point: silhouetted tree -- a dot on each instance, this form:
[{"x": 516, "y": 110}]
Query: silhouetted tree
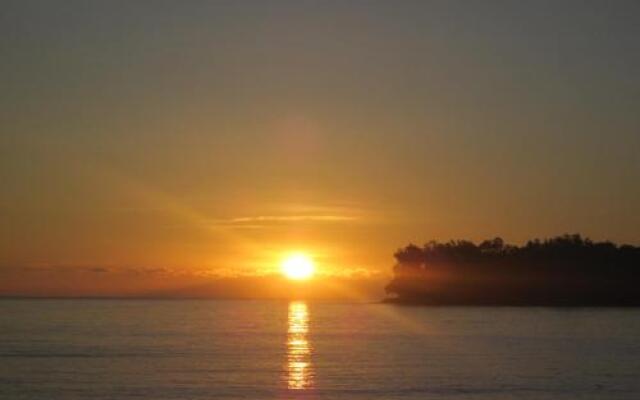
[{"x": 564, "y": 270}]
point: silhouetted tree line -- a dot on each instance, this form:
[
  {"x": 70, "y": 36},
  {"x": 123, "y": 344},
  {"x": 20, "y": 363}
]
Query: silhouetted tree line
[{"x": 564, "y": 270}]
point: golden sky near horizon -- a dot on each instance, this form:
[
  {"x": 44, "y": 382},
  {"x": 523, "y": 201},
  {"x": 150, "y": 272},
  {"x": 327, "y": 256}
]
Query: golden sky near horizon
[{"x": 184, "y": 141}]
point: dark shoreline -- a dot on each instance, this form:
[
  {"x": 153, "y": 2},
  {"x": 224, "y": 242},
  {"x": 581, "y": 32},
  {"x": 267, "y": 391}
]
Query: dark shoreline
[{"x": 425, "y": 303}]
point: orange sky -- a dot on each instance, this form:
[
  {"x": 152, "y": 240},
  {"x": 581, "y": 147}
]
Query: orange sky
[{"x": 161, "y": 148}]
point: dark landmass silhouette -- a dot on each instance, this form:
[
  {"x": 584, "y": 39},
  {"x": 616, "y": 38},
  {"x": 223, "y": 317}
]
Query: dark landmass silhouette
[{"x": 566, "y": 270}]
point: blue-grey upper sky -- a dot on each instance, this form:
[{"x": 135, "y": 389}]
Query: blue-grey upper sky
[{"x": 212, "y": 136}]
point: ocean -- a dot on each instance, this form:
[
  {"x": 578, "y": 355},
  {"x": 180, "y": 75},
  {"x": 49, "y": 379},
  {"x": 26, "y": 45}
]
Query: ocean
[{"x": 219, "y": 349}]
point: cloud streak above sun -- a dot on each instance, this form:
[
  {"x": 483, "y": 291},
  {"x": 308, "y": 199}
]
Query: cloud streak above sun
[{"x": 263, "y": 221}]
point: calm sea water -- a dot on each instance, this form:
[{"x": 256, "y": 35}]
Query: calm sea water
[{"x": 114, "y": 349}]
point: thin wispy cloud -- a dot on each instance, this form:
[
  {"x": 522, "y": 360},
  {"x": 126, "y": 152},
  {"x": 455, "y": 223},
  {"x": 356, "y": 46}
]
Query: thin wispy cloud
[
  {"x": 294, "y": 218},
  {"x": 261, "y": 221}
]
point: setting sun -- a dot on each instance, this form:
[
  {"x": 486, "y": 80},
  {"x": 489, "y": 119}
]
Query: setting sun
[{"x": 297, "y": 266}]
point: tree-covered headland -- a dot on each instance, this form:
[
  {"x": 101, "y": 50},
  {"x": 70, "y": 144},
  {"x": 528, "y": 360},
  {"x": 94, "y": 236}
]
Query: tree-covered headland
[{"x": 567, "y": 270}]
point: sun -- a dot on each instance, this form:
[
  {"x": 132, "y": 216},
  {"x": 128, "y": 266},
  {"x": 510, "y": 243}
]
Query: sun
[{"x": 298, "y": 266}]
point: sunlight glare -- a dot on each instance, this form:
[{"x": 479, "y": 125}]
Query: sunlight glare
[{"x": 298, "y": 266}]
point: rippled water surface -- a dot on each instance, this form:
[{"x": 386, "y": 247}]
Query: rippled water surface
[{"x": 116, "y": 349}]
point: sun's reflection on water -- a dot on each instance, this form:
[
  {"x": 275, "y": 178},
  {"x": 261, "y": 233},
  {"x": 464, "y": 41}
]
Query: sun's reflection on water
[{"x": 299, "y": 369}]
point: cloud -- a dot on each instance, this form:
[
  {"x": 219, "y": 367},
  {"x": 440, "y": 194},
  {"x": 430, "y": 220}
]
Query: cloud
[
  {"x": 82, "y": 269},
  {"x": 262, "y": 221},
  {"x": 99, "y": 269},
  {"x": 294, "y": 218}
]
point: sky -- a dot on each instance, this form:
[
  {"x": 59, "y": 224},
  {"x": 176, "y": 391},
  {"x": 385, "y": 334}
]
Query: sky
[{"x": 159, "y": 146}]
